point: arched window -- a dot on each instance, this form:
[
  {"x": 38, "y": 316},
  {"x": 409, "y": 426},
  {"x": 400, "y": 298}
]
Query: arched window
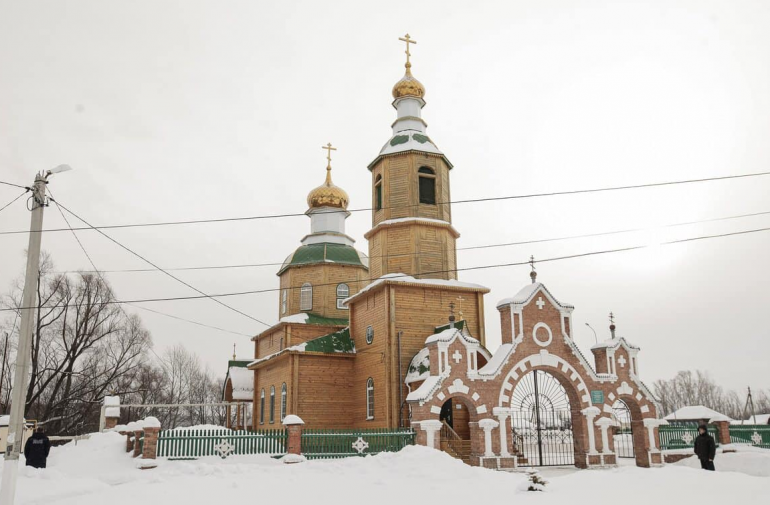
[
  {"x": 370, "y": 399},
  {"x": 369, "y": 334},
  {"x": 343, "y": 291},
  {"x": 427, "y": 186},
  {"x": 306, "y": 297},
  {"x": 272, "y": 404},
  {"x": 284, "y": 299},
  {"x": 283, "y": 401},
  {"x": 378, "y": 193},
  {"x": 262, "y": 407}
]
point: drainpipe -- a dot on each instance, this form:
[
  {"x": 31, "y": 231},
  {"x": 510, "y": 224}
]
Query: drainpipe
[{"x": 400, "y": 384}]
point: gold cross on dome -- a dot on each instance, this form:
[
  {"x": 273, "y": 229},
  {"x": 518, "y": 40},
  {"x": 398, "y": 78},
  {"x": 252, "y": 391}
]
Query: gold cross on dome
[
  {"x": 329, "y": 150},
  {"x": 612, "y": 318},
  {"x": 406, "y": 38},
  {"x": 460, "y": 299},
  {"x": 532, "y": 262}
]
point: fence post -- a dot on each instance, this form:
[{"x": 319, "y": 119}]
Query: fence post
[
  {"x": 723, "y": 430},
  {"x": 294, "y": 425},
  {"x": 151, "y": 430},
  {"x": 111, "y": 411}
]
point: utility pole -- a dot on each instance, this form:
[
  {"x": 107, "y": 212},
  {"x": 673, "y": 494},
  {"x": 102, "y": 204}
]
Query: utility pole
[
  {"x": 21, "y": 374},
  {"x": 2, "y": 371}
]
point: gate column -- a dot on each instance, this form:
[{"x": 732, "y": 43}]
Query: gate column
[
  {"x": 488, "y": 425},
  {"x": 591, "y": 413},
  {"x": 502, "y": 416}
]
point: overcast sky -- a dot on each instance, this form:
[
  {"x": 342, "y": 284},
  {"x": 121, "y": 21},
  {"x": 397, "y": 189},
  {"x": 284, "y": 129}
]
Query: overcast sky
[{"x": 172, "y": 110}]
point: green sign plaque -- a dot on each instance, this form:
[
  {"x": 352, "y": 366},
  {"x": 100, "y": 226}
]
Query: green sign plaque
[{"x": 597, "y": 397}]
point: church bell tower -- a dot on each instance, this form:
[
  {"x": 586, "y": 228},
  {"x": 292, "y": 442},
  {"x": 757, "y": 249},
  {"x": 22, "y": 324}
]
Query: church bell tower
[{"x": 412, "y": 230}]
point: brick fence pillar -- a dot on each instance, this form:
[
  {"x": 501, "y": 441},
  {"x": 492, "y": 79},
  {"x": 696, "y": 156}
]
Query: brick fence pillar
[
  {"x": 111, "y": 412},
  {"x": 294, "y": 425},
  {"x": 151, "y": 431},
  {"x": 137, "y": 447},
  {"x": 723, "y": 431}
]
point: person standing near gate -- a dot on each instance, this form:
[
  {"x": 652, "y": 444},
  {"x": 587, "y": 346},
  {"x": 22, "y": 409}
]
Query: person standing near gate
[
  {"x": 705, "y": 448},
  {"x": 37, "y": 448}
]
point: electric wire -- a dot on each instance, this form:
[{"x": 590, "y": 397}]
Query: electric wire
[
  {"x": 14, "y": 185},
  {"x": 100, "y": 274},
  {"x": 204, "y": 295},
  {"x": 12, "y": 201},
  {"x": 367, "y": 209},
  {"x": 465, "y": 269},
  {"x": 468, "y": 248}
]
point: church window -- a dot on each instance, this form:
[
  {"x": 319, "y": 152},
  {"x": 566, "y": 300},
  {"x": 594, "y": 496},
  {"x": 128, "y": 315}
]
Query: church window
[
  {"x": 343, "y": 291},
  {"x": 306, "y": 297},
  {"x": 369, "y": 334},
  {"x": 378, "y": 193},
  {"x": 427, "y": 180},
  {"x": 262, "y": 407},
  {"x": 370, "y": 399},
  {"x": 283, "y": 401},
  {"x": 272, "y": 404},
  {"x": 284, "y": 298}
]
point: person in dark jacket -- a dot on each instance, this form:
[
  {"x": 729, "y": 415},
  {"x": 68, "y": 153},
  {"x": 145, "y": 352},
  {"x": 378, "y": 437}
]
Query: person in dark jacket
[
  {"x": 37, "y": 448},
  {"x": 705, "y": 448}
]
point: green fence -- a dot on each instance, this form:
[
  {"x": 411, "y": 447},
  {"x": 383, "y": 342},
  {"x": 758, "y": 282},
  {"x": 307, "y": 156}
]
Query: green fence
[
  {"x": 329, "y": 444},
  {"x": 191, "y": 444},
  {"x": 757, "y": 435},
  {"x": 675, "y": 436}
]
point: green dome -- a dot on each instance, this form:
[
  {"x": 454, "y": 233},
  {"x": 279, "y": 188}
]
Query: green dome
[{"x": 325, "y": 253}]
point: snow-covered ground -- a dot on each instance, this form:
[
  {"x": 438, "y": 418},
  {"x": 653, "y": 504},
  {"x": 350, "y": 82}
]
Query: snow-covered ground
[{"x": 97, "y": 471}]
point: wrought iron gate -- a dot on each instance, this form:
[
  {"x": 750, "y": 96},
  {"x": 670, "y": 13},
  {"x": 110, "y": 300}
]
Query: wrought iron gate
[
  {"x": 542, "y": 421},
  {"x": 622, "y": 433}
]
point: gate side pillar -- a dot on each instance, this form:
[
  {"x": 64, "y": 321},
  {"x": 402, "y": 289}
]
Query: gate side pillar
[
  {"x": 502, "y": 415},
  {"x": 488, "y": 425},
  {"x": 432, "y": 436},
  {"x": 590, "y": 414},
  {"x": 654, "y": 456}
]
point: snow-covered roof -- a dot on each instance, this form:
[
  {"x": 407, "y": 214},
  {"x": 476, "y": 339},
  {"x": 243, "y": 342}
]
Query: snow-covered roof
[
  {"x": 302, "y": 317},
  {"x": 403, "y": 220},
  {"x": 526, "y": 294},
  {"x": 693, "y": 413},
  {"x": 496, "y": 361},
  {"x": 612, "y": 343},
  {"x": 450, "y": 333},
  {"x": 419, "y": 367},
  {"x": 757, "y": 419},
  {"x": 426, "y": 389},
  {"x": 396, "y": 278},
  {"x": 242, "y": 380}
]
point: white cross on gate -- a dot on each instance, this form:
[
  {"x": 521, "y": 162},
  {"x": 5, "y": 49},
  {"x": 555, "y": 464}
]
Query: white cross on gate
[
  {"x": 756, "y": 438},
  {"x": 622, "y": 361},
  {"x": 457, "y": 356},
  {"x": 687, "y": 438},
  {"x": 360, "y": 445},
  {"x": 224, "y": 448},
  {"x": 540, "y": 303}
]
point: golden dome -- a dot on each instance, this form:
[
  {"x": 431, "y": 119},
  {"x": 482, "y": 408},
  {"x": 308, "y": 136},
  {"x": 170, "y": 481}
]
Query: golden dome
[
  {"x": 328, "y": 195},
  {"x": 408, "y": 85}
]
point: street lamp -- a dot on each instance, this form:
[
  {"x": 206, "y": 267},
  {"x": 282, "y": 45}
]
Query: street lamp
[
  {"x": 595, "y": 337},
  {"x": 21, "y": 376}
]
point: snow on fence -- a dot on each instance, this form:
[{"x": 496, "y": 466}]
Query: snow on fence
[
  {"x": 757, "y": 435},
  {"x": 673, "y": 436},
  {"x": 196, "y": 443},
  {"x": 331, "y": 444}
]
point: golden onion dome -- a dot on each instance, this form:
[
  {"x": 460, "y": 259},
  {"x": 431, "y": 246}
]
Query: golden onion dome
[
  {"x": 408, "y": 85},
  {"x": 328, "y": 195}
]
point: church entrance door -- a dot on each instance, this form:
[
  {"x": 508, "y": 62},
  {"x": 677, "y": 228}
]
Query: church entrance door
[{"x": 542, "y": 421}]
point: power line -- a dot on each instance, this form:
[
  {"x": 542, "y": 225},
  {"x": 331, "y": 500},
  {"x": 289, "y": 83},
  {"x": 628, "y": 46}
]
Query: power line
[
  {"x": 469, "y": 248},
  {"x": 12, "y": 201},
  {"x": 455, "y": 202},
  {"x": 204, "y": 295},
  {"x": 14, "y": 185},
  {"x": 99, "y": 273},
  {"x": 466, "y": 269}
]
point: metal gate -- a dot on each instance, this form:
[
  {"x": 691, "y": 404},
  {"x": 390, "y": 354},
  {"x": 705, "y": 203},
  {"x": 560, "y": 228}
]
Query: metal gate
[
  {"x": 542, "y": 421},
  {"x": 622, "y": 433}
]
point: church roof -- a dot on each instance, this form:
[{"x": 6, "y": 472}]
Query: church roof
[
  {"x": 408, "y": 280},
  {"x": 310, "y": 318},
  {"x": 409, "y": 140},
  {"x": 338, "y": 342},
  {"x": 525, "y": 295},
  {"x": 325, "y": 253}
]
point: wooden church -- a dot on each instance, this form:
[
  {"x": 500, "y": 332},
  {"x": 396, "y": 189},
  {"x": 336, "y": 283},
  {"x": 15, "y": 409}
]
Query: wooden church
[{"x": 369, "y": 342}]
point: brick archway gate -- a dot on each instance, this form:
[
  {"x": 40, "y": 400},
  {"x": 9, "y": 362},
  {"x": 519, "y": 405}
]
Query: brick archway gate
[
  {"x": 542, "y": 421},
  {"x": 537, "y": 337}
]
